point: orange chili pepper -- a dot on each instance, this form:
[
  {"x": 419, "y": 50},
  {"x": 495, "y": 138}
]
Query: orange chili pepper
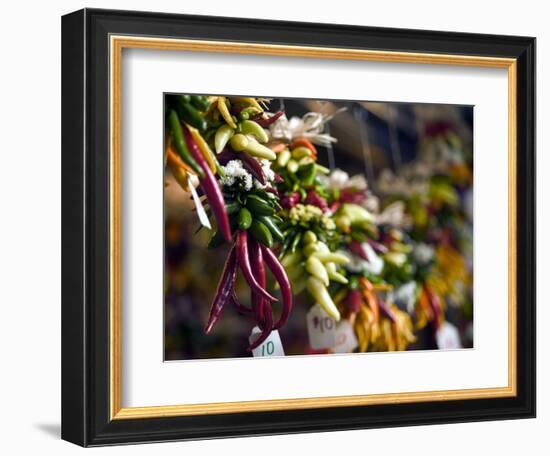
[{"x": 303, "y": 142}]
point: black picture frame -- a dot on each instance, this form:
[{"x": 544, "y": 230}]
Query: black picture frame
[{"x": 85, "y": 222}]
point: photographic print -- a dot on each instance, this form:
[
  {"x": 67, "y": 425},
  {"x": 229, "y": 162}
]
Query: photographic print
[{"x": 307, "y": 227}]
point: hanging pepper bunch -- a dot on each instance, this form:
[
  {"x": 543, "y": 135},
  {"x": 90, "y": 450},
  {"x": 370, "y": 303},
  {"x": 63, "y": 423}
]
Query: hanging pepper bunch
[
  {"x": 434, "y": 193},
  {"x": 236, "y": 188},
  {"x": 364, "y": 299},
  {"x": 309, "y": 250}
]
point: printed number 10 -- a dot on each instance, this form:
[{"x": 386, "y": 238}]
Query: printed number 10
[{"x": 268, "y": 348}]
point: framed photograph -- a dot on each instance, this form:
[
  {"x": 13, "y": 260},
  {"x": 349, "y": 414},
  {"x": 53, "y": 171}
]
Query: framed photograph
[{"x": 279, "y": 227}]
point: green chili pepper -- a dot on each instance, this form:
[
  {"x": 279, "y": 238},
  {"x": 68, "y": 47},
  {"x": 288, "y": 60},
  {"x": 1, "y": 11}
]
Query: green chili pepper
[
  {"x": 179, "y": 143},
  {"x": 232, "y": 208},
  {"x": 190, "y": 115},
  {"x": 249, "y": 127},
  {"x": 258, "y": 206},
  {"x": 247, "y": 113},
  {"x": 310, "y": 237},
  {"x": 200, "y": 102},
  {"x": 245, "y": 218},
  {"x": 307, "y": 174},
  {"x": 295, "y": 242},
  {"x": 270, "y": 223},
  {"x": 223, "y": 135},
  {"x": 261, "y": 233},
  {"x": 283, "y": 158}
]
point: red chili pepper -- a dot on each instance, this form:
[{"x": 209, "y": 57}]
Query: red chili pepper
[
  {"x": 384, "y": 310},
  {"x": 289, "y": 201},
  {"x": 267, "y": 122},
  {"x": 266, "y": 330},
  {"x": 211, "y": 188},
  {"x": 376, "y": 246},
  {"x": 244, "y": 264},
  {"x": 315, "y": 200},
  {"x": 286, "y": 289},
  {"x": 253, "y": 167},
  {"x": 435, "y": 305},
  {"x": 348, "y": 196},
  {"x": 224, "y": 290},
  {"x": 257, "y": 265},
  {"x": 356, "y": 248},
  {"x": 353, "y": 301}
]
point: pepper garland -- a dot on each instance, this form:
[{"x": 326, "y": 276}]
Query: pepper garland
[{"x": 276, "y": 206}]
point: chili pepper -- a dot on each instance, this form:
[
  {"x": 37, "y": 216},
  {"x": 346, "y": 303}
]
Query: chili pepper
[
  {"x": 292, "y": 166},
  {"x": 249, "y": 127},
  {"x": 224, "y": 111},
  {"x": 244, "y": 264},
  {"x": 248, "y": 100},
  {"x": 282, "y": 279},
  {"x": 283, "y": 158},
  {"x": 300, "y": 152},
  {"x": 307, "y": 174},
  {"x": 356, "y": 248},
  {"x": 353, "y": 301},
  {"x": 272, "y": 226},
  {"x": 180, "y": 145},
  {"x": 291, "y": 259},
  {"x": 303, "y": 142},
  {"x": 333, "y": 257},
  {"x": 243, "y": 143},
  {"x": 377, "y": 246},
  {"x": 295, "y": 242},
  {"x": 232, "y": 208},
  {"x": 258, "y": 206},
  {"x": 334, "y": 275},
  {"x": 211, "y": 189},
  {"x": 322, "y": 296},
  {"x": 205, "y": 149},
  {"x": 253, "y": 167},
  {"x": 249, "y": 112},
  {"x": 190, "y": 115},
  {"x": 266, "y": 330},
  {"x": 257, "y": 265},
  {"x": 267, "y": 122},
  {"x": 200, "y": 102},
  {"x": 223, "y": 135},
  {"x": 261, "y": 233},
  {"x": 315, "y": 200},
  {"x": 385, "y": 310},
  {"x": 291, "y": 200},
  {"x": 317, "y": 269},
  {"x": 223, "y": 292},
  {"x": 245, "y": 219}
]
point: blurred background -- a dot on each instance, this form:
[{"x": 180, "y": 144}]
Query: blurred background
[{"x": 398, "y": 147}]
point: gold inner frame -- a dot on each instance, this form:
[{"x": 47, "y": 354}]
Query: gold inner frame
[{"x": 117, "y": 44}]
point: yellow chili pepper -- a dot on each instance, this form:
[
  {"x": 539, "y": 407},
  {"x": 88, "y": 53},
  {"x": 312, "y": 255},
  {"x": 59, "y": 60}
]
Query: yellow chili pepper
[
  {"x": 204, "y": 148},
  {"x": 224, "y": 111}
]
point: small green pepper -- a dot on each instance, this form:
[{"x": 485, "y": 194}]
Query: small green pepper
[
  {"x": 179, "y": 143},
  {"x": 245, "y": 218},
  {"x": 258, "y": 206},
  {"x": 190, "y": 115},
  {"x": 261, "y": 233},
  {"x": 272, "y": 226}
]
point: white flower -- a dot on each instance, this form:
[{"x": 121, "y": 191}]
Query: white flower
[{"x": 234, "y": 171}]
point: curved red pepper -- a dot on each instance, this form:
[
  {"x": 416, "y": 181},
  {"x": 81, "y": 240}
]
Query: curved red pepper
[
  {"x": 210, "y": 187},
  {"x": 286, "y": 289},
  {"x": 257, "y": 265},
  {"x": 244, "y": 264},
  {"x": 267, "y": 122},
  {"x": 224, "y": 290}
]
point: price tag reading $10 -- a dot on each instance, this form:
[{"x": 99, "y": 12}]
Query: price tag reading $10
[
  {"x": 272, "y": 346},
  {"x": 346, "y": 341},
  {"x": 321, "y": 328}
]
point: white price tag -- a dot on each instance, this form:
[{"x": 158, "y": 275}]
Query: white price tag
[
  {"x": 272, "y": 346},
  {"x": 321, "y": 328},
  {"x": 447, "y": 337},
  {"x": 346, "y": 341}
]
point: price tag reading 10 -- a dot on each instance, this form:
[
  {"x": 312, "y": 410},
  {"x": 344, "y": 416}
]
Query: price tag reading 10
[
  {"x": 321, "y": 328},
  {"x": 272, "y": 346}
]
